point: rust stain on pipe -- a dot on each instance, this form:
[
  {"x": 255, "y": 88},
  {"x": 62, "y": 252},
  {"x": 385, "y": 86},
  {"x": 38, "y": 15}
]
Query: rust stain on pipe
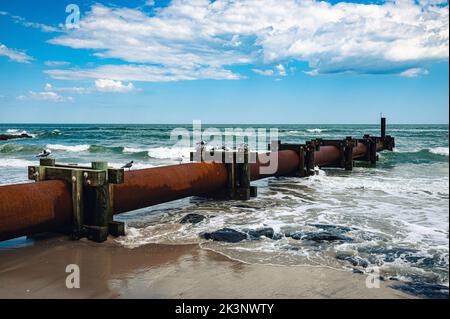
[
  {"x": 288, "y": 162},
  {"x": 34, "y": 207},
  {"x": 157, "y": 185}
]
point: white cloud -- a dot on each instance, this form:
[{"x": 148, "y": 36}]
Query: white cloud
[
  {"x": 14, "y": 55},
  {"x": 56, "y": 63},
  {"x": 199, "y": 39},
  {"x": 281, "y": 70},
  {"x": 145, "y": 73},
  {"x": 44, "y": 96},
  {"x": 268, "y": 72},
  {"x": 78, "y": 90},
  {"x": 150, "y": 3},
  {"x": 414, "y": 72},
  {"x": 278, "y": 70},
  {"x": 106, "y": 85}
]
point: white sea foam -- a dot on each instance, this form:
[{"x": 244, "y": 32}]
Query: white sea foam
[
  {"x": 18, "y": 132},
  {"x": 440, "y": 150},
  {"x": 69, "y": 148},
  {"x": 170, "y": 152},
  {"x": 133, "y": 150},
  {"x": 15, "y": 162},
  {"x": 316, "y": 130}
]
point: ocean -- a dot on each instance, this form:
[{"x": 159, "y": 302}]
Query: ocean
[{"x": 396, "y": 214}]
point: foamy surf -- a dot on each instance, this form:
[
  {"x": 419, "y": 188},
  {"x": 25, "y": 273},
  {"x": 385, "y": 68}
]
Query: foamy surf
[
  {"x": 315, "y": 130},
  {"x": 68, "y": 148},
  {"x": 19, "y": 132},
  {"x": 440, "y": 151}
]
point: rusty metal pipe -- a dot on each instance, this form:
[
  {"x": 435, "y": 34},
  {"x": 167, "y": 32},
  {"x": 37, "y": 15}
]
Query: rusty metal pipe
[
  {"x": 37, "y": 207},
  {"x": 34, "y": 207},
  {"x": 288, "y": 162},
  {"x": 146, "y": 187}
]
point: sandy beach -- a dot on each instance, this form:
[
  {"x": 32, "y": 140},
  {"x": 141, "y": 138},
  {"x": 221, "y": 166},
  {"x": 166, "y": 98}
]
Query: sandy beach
[{"x": 165, "y": 271}]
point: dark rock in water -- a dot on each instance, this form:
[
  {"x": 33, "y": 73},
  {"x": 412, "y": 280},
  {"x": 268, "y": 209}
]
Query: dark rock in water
[
  {"x": 225, "y": 234},
  {"x": 427, "y": 290},
  {"x": 257, "y": 233},
  {"x": 354, "y": 260},
  {"x": 277, "y": 236},
  {"x": 394, "y": 278},
  {"x": 391, "y": 254},
  {"x": 357, "y": 271},
  {"x": 5, "y": 137},
  {"x": 192, "y": 219},
  {"x": 325, "y": 236},
  {"x": 337, "y": 228},
  {"x": 296, "y": 235}
]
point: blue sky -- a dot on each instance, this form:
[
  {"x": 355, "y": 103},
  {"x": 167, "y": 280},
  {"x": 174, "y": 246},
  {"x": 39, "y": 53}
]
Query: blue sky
[{"x": 224, "y": 62}]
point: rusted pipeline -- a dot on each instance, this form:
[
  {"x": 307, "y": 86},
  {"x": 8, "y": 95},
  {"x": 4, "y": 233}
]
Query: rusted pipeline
[
  {"x": 288, "y": 162},
  {"x": 34, "y": 207},
  {"x": 330, "y": 154},
  {"x": 146, "y": 187},
  {"x": 44, "y": 206}
]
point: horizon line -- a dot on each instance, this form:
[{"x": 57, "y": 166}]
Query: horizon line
[{"x": 205, "y": 123}]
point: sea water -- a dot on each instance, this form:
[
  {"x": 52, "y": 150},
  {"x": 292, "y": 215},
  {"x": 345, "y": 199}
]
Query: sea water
[{"x": 397, "y": 212}]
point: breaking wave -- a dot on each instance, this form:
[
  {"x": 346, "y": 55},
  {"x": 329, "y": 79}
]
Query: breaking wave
[{"x": 69, "y": 148}]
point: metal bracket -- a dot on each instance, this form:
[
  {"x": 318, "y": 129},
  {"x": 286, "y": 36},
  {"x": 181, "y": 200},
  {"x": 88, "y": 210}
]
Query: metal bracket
[
  {"x": 305, "y": 154},
  {"x": 92, "y": 196},
  {"x": 371, "y": 144},
  {"x": 345, "y": 147},
  {"x": 238, "y": 168}
]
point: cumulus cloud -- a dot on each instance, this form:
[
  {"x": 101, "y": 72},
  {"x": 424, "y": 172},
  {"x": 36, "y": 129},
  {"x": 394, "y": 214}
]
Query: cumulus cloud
[
  {"x": 281, "y": 70},
  {"x": 201, "y": 39},
  {"x": 44, "y": 96},
  {"x": 14, "y": 55},
  {"x": 107, "y": 85}
]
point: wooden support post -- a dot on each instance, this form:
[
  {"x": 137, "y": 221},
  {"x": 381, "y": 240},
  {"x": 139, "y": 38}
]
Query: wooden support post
[
  {"x": 238, "y": 167},
  {"x": 309, "y": 158},
  {"x": 348, "y": 153},
  {"x": 301, "y": 156},
  {"x": 47, "y": 162},
  {"x": 98, "y": 207},
  {"x": 91, "y": 196},
  {"x": 77, "y": 204},
  {"x": 371, "y": 144},
  {"x": 383, "y": 127}
]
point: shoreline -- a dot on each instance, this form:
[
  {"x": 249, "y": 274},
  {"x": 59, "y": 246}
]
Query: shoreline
[{"x": 109, "y": 270}]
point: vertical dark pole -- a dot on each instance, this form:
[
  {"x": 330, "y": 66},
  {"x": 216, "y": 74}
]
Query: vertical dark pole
[
  {"x": 102, "y": 210},
  {"x": 383, "y": 127}
]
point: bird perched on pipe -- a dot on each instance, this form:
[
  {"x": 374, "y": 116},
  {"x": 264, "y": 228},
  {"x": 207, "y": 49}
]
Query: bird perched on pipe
[
  {"x": 128, "y": 165},
  {"x": 44, "y": 154}
]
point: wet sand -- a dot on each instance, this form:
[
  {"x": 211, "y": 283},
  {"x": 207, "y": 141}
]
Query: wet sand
[{"x": 109, "y": 270}]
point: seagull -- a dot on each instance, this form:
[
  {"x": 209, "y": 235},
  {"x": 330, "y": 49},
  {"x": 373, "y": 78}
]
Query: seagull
[
  {"x": 128, "y": 165},
  {"x": 201, "y": 144},
  {"x": 44, "y": 153},
  {"x": 181, "y": 159}
]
